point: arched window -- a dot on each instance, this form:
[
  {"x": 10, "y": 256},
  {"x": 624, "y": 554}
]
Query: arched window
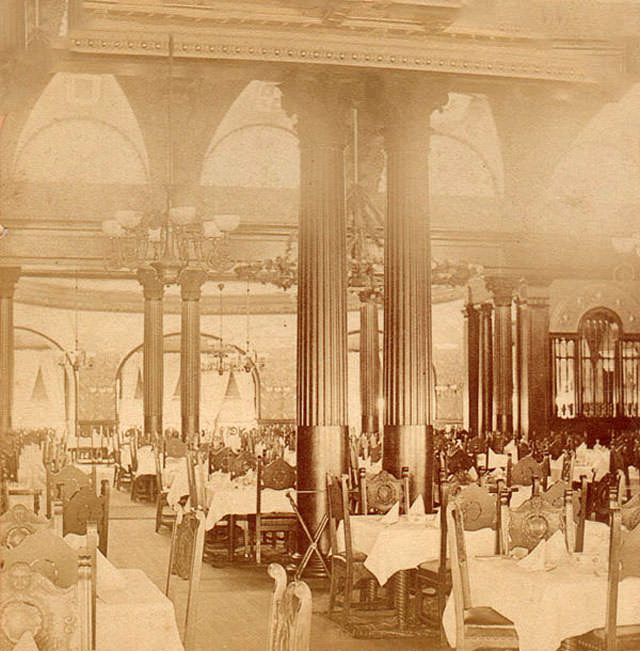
[{"x": 596, "y": 371}]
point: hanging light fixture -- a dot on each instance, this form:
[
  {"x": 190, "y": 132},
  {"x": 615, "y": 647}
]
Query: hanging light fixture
[
  {"x": 177, "y": 238},
  {"x": 224, "y": 358}
]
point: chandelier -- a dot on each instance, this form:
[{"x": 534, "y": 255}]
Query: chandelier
[
  {"x": 175, "y": 239},
  {"x": 168, "y": 242},
  {"x": 224, "y": 358}
]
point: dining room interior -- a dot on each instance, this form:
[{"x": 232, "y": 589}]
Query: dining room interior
[{"x": 319, "y": 325}]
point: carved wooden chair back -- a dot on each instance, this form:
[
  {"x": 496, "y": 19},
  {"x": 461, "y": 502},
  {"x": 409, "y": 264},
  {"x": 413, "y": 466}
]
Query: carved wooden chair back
[
  {"x": 338, "y": 511},
  {"x": 55, "y": 617},
  {"x": 196, "y": 476},
  {"x": 459, "y": 569},
  {"x": 62, "y": 485},
  {"x": 221, "y": 459},
  {"x": 534, "y": 520},
  {"x": 185, "y": 561},
  {"x": 174, "y": 447},
  {"x": 290, "y": 620},
  {"x": 18, "y": 523},
  {"x": 598, "y": 497},
  {"x": 48, "y": 553},
  {"x": 523, "y": 472},
  {"x": 379, "y": 492},
  {"x": 277, "y": 475},
  {"x": 241, "y": 463},
  {"x": 86, "y": 507}
]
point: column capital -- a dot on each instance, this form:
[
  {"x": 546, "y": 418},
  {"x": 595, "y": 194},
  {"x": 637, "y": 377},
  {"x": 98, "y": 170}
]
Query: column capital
[
  {"x": 502, "y": 288},
  {"x": 406, "y": 102},
  {"x": 8, "y": 279},
  {"x": 191, "y": 281},
  {"x": 486, "y": 308},
  {"x": 320, "y": 101},
  {"x": 469, "y": 310},
  {"x": 152, "y": 288}
]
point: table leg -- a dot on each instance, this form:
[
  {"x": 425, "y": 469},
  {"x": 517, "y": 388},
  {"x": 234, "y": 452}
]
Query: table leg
[
  {"x": 401, "y": 597},
  {"x": 231, "y": 537}
]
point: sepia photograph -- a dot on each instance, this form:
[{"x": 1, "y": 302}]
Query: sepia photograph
[{"x": 319, "y": 325}]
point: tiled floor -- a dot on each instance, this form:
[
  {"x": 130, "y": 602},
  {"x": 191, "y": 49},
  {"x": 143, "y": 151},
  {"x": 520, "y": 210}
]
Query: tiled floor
[{"x": 234, "y": 601}]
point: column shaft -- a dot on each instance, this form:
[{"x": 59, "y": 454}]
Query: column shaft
[
  {"x": 539, "y": 363},
  {"x": 408, "y": 437},
  {"x": 152, "y": 351},
  {"x": 369, "y": 366},
  {"x": 472, "y": 368},
  {"x": 8, "y": 279},
  {"x": 486, "y": 369},
  {"x": 190, "y": 283},
  {"x": 322, "y": 292}
]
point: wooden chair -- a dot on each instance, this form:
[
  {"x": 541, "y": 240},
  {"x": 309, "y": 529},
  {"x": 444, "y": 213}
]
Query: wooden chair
[
  {"x": 534, "y": 520},
  {"x": 379, "y": 492},
  {"x": 84, "y": 507},
  {"x": 347, "y": 566},
  {"x": 476, "y": 626},
  {"x": 290, "y": 619},
  {"x": 185, "y": 561},
  {"x": 164, "y": 514},
  {"x": 242, "y": 463},
  {"x": 221, "y": 460},
  {"x": 624, "y": 560},
  {"x": 56, "y": 617},
  {"x": 122, "y": 472},
  {"x": 525, "y": 471},
  {"x": 278, "y": 475},
  {"x": 18, "y": 523},
  {"x": 62, "y": 485}
]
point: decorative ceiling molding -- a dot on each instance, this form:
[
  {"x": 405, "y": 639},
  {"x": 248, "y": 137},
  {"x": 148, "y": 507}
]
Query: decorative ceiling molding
[
  {"x": 49, "y": 294},
  {"x": 440, "y": 54}
]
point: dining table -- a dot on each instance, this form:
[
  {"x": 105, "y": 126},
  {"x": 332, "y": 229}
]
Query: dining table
[{"x": 552, "y": 603}]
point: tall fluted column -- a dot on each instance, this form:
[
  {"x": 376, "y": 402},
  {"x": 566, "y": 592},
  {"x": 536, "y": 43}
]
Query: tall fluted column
[
  {"x": 408, "y": 438},
  {"x": 8, "y": 279},
  {"x": 322, "y": 290},
  {"x": 191, "y": 281},
  {"x": 369, "y": 365},
  {"x": 152, "y": 351},
  {"x": 472, "y": 367},
  {"x": 486, "y": 369},
  {"x": 502, "y": 289},
  {"x": 539, "y": 362}
]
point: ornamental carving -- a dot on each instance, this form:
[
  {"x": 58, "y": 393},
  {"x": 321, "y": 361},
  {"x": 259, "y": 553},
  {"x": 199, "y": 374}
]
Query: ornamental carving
[
  {"x": 478, "y": 507},
  {"x": 383, "y": 491},
  {"x": 185, "y": 539},
  {"x": 533, "y": 521},
  {"x": 18, "y": 523},
  {"x": 278, "y": 475}
]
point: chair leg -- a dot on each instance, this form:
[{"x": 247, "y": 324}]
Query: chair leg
[
  {"x": 348, "y": 589},
  {"x": 333, "y": 584},
  {"x": 159, "y": 506}
]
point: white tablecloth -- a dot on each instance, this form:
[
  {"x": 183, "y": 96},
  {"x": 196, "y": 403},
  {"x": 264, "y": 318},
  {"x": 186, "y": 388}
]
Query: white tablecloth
[
  {"x": 139, "y": 617},
  {"x": 146, "y": 461},
  {"x": 545, "y": 606},
  {"x": 31, "y": 470},
  {"x": 405, "y": 544},
  {"x": 241, "y": 500}
]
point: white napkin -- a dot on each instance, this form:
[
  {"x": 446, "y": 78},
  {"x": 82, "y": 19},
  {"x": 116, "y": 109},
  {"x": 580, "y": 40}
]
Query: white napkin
[
  {"x": 26, "y": 643},
  {"x": 417, "y": 508},
  {"x": 512, "y": 448},
  {"x": 392, "y": 515},
  {"x": 473, "y": 475},
  {"x": 535, "y": 560}
]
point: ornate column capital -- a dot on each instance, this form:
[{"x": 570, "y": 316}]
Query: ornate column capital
[
  {"x": 320, "y": 101},
  {"x": 152, "y": 288},
  {"x": 502, "y": 288},
  {"x": 8, "y": 279},
  {"x": 191, "y": 281},
  {"x": 406, "y": 102}
]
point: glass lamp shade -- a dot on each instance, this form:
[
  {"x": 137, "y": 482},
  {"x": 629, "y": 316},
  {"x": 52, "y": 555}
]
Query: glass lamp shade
[
  {"x": 210, "y": 229},
  {"x": 128, "y": 218},
  {"x": 112, "y": 228},
  {"x": 227, "y": 223},
  {"x": 182, "y": 215}
]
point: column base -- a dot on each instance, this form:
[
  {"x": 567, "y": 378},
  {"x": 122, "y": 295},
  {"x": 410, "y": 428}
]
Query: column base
[
  {"x": 411, "y": 446},
  {"x": 322, "y": 449}
]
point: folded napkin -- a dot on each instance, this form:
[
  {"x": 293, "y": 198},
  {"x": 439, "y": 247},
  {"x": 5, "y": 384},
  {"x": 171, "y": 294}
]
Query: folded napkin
[
  {"x": 417, "y": 508},
  {"x": 473, "y": 475},
  {"x": 535, "y": 560},
  {"x": 26, "y": 643},
  {"x": 555, "y": 551},
  {"x": 392, "y": 515}
]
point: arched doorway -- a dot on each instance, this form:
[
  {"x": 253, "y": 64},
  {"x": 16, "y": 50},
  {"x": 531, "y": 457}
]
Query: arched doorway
[{"x": 227, "y": 398}]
